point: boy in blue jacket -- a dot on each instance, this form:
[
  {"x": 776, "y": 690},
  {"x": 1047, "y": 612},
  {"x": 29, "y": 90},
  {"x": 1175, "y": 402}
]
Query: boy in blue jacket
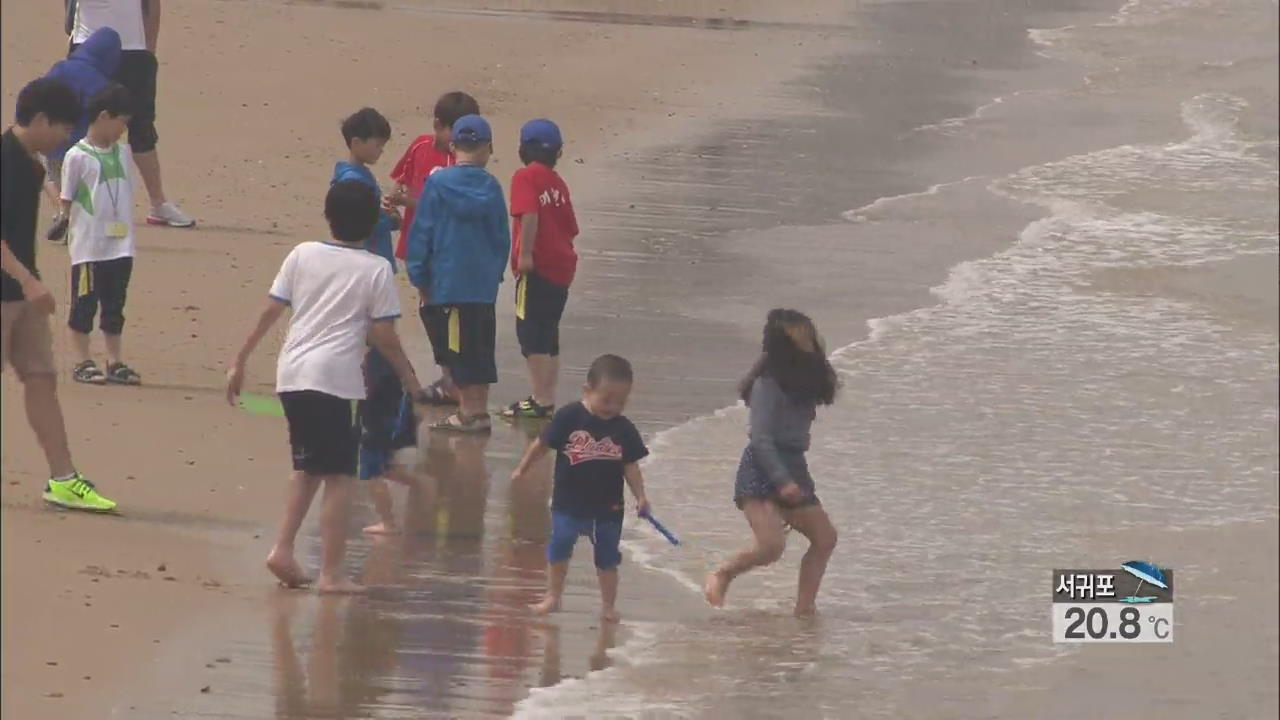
[
  {"x": 386, "y": 413},
  {"x": 458, "y": 247}
]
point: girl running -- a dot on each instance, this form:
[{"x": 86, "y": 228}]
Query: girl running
[{"x": 773, "y": 487}]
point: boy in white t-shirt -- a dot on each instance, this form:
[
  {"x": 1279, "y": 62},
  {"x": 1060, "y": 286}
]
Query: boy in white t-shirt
[
  {"x": 97, "y": 200},
  {"x": 342, "y": 297}
]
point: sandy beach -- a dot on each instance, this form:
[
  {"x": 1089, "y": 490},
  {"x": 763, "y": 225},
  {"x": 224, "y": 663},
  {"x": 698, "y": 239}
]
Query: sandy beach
[{"x": 858, "y": 160}]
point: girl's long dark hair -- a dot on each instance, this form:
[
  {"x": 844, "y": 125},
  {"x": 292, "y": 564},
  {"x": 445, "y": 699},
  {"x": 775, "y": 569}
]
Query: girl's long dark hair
[{"x": 802, "y": 375}]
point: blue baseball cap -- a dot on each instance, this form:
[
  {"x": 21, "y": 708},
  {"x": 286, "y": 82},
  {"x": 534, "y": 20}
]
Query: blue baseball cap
[
  {"x": 472, "y": 129},
  {"x": 541, "y": 132}
]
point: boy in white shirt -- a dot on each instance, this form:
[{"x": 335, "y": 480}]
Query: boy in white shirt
[
  {"x": 341, "y": 297},
  {"x": 97, "y": 199}
]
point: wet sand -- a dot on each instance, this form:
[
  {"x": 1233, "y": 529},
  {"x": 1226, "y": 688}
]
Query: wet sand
[{"x": 445, "y": 630}]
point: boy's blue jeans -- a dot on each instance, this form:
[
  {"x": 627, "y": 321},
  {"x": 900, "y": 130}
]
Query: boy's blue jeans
[{"x": 605, "y": 534}]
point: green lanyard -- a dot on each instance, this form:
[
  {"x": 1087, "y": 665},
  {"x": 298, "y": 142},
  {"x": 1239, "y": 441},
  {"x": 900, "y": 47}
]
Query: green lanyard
[{"x": 109, "y": 168}]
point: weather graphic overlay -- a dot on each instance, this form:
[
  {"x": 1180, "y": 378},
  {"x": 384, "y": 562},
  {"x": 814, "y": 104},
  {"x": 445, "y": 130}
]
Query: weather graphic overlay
[{"x": 1132, "y": 604}]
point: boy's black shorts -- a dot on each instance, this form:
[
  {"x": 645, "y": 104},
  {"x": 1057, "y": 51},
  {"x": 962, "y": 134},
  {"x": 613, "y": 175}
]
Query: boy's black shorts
[
  {"x": 539, "y": 307},
  {"x": 138, "y": 72},
  {"x": 102, "y": 284},
  {"x": 439, "y": 342},
  {"x": 464, "y": 339},
  {"x": 324, "y": 432}
]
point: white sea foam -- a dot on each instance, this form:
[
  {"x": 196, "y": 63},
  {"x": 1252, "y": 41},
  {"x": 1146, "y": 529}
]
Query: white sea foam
[{"x": 867, "y": 212}]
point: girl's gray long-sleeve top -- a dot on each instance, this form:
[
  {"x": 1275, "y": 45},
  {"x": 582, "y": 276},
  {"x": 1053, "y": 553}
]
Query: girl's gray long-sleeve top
[{"x": 779, "y": 428}]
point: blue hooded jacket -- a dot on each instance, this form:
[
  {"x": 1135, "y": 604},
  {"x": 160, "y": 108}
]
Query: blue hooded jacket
[
  {"x": 380, "y": 242},
  {"x": 87, "y": 71},
  {"x": 460, "y": 237}
]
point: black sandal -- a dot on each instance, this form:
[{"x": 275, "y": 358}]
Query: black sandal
[
  {"x": 121, "y": 374},
  {"x": 528, "y": 409},
  {"x": 434, "y": 394},
  {"x": 88, "y": 373}
]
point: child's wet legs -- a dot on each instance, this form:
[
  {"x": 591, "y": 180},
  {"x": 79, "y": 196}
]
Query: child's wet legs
[
  {"x": 474, "y": 400},
  {"x": 382, "y": 505},
  {"x": 333, "y": 535},
  {"x": 565, "y": 530},
  {"x": 812, "y": 522},
  {"x": 556, "y": 574},
  {"x": 543, "y": 371},
  {"x": 769, "y": 528},
  {"x": 608, "y": 594},
  {"x": 281, "y": 561},
  {"x": 607, "y": 536}
]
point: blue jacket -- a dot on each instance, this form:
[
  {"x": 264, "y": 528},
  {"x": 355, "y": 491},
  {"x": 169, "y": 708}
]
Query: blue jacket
[
  {"x": 380, "y": 242},
  {"x": 87, "y": 71},
  {"x": 460, "y": 237}
]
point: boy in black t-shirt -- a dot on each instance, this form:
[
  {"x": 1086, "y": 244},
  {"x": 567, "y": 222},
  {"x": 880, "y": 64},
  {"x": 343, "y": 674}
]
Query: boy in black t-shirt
[{"x": 597, "y": 449}]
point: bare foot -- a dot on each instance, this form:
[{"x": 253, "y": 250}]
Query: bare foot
[
  {"x": 341, "y": 586},
  {"x": 286, "y": 569},
  {"x": 547, "y": 606},
  {"x": 382, "y": 528},
  {"x": 715, "y": 588},
  {"x": 610, "y": 615},
  {"x": 806, "y": 611}
]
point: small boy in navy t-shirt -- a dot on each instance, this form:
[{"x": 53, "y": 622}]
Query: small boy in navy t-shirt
[{"x": 597, "y": 450}]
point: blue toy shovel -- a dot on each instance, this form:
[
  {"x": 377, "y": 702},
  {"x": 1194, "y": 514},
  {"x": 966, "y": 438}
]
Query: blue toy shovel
[{"x": 661, "y": 528}]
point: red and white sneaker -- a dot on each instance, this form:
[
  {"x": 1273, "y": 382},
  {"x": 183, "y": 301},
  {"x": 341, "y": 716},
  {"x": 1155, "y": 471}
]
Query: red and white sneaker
[{"x": 169, "y": 215}]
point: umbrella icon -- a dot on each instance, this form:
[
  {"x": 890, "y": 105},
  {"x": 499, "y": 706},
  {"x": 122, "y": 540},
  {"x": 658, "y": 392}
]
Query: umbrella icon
[{"x": 1146, "y": 573}]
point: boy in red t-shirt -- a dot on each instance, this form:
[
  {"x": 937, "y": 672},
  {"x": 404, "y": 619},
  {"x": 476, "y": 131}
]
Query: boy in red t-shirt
[
  {"x": 426, "y": 154},
  {"x": 543, "y": 260}
]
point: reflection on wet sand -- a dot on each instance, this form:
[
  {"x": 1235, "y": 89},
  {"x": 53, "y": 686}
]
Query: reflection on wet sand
[{"x": 445, "y": 630}]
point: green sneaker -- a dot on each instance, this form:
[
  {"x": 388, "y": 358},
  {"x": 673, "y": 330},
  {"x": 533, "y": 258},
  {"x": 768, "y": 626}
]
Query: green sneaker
[{"x": 76, "y": 493}]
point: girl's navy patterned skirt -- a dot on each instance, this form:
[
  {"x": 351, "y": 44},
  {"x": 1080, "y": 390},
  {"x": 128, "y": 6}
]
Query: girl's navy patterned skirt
[{"x": 752, "y": 482}]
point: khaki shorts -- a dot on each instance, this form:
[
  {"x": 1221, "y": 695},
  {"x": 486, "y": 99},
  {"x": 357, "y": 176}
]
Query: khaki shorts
[{"x": 25, "y": 340}]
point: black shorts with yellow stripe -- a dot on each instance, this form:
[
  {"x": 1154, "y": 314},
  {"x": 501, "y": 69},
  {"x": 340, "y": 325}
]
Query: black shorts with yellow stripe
[
  {"x": 464, "y": 340},
  {"x": 539, "y": 307},
  {"x": 99, "y": 286}
]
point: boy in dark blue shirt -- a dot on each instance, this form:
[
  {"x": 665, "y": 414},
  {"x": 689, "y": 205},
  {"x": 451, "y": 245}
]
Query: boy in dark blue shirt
[
  {"x": 597, "y": 450},
  {"x": 386, "y": 413},
  {"x": 366, "y": 133}
]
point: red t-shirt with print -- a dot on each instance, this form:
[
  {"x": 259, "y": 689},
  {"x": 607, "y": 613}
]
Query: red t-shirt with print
[
  {"x": 538, "y": 188},
  {"x": 420, "y": 160}
]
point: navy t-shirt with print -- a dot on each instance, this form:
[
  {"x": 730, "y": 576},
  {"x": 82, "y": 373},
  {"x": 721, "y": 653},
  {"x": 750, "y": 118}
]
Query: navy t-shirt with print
[{"x": 591, "y": 453}]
